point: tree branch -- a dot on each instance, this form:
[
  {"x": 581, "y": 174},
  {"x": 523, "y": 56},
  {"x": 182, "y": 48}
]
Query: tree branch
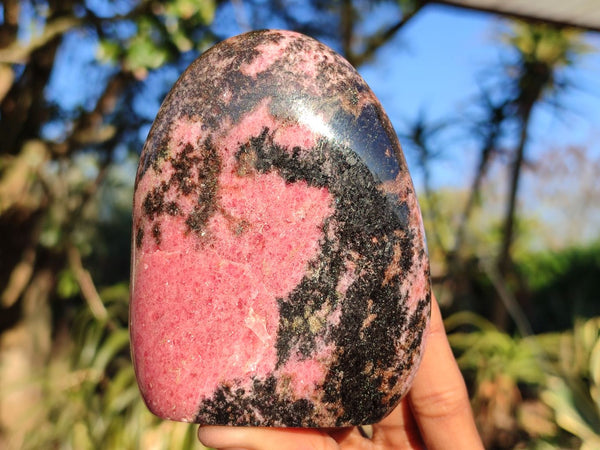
[
  {"x": 381, "y": 38},
  {"x": 10, "y": 27},
  {"x": 18, "y": 53},
  {"x": 347, "y": 27},
  {"x": 89, "y": 127},
  {"x": 19, "y": 278},
  {"x": 86, "y": 284}
]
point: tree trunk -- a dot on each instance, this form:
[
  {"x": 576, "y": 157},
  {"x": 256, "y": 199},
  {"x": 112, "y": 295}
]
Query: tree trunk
[
  {"x": 505, "y": 262},
  {"x": 24, "y": 350},
  {"x": 473, "y": 194}
]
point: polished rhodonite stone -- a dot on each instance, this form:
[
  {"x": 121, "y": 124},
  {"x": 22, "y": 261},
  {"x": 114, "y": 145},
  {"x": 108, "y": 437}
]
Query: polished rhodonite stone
[{"x": 279, "y": 270}]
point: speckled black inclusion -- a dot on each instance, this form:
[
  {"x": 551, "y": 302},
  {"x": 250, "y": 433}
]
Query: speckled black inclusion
[
  {"x": 365, "y": 223},
  {"x": 194, "y": 94},
  {"x": 192, "y": 175},
  {"x": 264, "y": 406},
  {"x": 198, "y": 91}
]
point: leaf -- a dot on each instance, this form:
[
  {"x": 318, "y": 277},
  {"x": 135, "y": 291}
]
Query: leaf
[
  {"x": 116, "y": 342},
  {"x": 145, "y": 54},
  {"x": 573, "y": 391},
  {"x": 181, "y": 41},
  {"x": 595, "y": 374},
  {"x": 122, "y": 391},
  {"x": 203, "y": 10},
  {"x": 80, "y": 436},
  {"x": 109, "y": 51},
  {"x": 117, "y": 293},
  {"x": 67, "y": 285},
  {"x": 206, "y": 11},
  {"x": 559, "y": 397},
  {"x": 468, "y": 318}
]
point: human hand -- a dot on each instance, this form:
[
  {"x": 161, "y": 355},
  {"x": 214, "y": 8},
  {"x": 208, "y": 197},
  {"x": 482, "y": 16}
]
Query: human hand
[{"x": 435, "y": 414}]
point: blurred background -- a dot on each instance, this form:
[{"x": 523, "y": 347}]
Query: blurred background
[{"x": 500, "y": 122}]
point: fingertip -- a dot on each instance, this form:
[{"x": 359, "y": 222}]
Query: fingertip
[
  {"x": 217, "y": 436},
  {"x": 259, "y": 438}
]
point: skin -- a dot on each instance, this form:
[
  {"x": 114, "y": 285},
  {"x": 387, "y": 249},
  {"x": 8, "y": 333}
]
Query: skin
[{"x": 436, "y": 414}]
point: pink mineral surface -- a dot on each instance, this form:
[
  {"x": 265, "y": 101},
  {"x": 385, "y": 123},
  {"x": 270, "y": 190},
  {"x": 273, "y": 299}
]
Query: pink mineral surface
[{"x": 279, "y": 270}]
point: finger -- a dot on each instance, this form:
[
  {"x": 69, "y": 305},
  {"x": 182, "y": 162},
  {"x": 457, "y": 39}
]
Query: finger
[
  {"x": 398, "y": 430},
  {"x": 257, "y": 438},
  {"x": 439, "y": 398},
  {"x": 347, "y": 438}
]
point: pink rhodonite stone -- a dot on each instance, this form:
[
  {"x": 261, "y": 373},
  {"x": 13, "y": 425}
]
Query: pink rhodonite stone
[{"x": 279, "y": 270}]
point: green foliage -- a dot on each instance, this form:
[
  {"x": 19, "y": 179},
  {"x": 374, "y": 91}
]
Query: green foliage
[
  {"x": 109, "y": 51},
  {"x": 573, "y": 386},
  {"x": 562, "y": 370},
  {"x": 91, "y": 400},
  {"x": 495, "y": 364},
  {"x": 488, "y": 352},
  {"x": 203, "y": 11},
  {"x": 543, "y": 269},
  {"x": 563, "y": 286},
  {"x": 159, "y": 36},
  {"x": 545, "y": 43},
  {"x": 67, "y": 285},
  {"x": 144, "y": 50}
]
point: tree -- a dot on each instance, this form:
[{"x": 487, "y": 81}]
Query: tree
[
  {"x": 55, "y": 159},
  {"x": 67, "y": 162},
  {"x": 536, "y": 75},
  {"x": 421, "y": 137},
  {"x": 490, "y": 130}
]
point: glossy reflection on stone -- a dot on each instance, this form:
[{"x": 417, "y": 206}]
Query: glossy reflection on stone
[{"x": 279, "y": 271}]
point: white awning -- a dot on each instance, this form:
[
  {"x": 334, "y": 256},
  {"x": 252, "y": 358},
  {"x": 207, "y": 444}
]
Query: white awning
[{"x": 576, "y": 13}]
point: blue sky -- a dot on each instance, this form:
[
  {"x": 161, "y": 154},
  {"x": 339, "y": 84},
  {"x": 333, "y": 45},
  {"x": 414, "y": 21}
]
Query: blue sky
[{"x": 433, "y": 65}]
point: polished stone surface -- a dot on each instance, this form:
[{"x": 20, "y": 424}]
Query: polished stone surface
[{"x": 279, "y": 270}]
